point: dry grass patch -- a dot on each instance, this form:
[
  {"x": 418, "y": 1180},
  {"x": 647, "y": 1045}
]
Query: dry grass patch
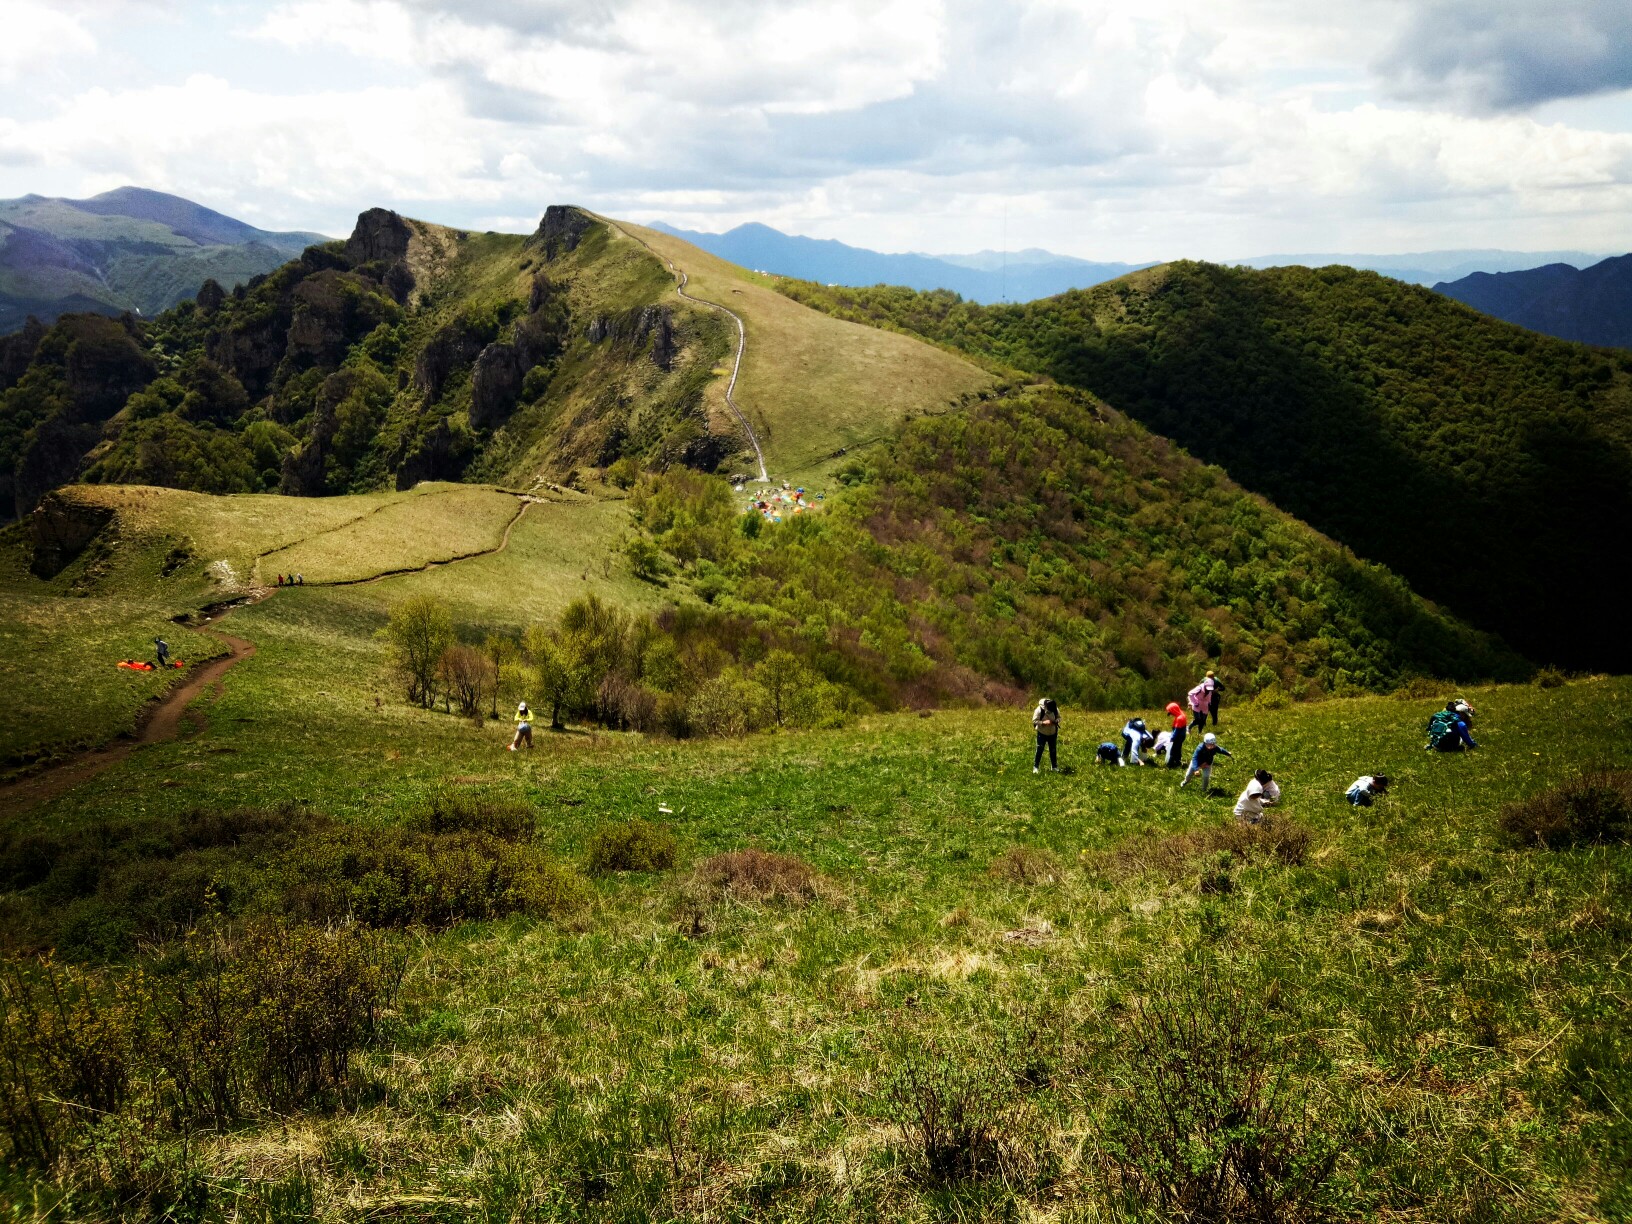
[
  {"x": 1591, "y": 809},
  {"x": 758, "y": 876},
  {"x": 1277, "y": 837},
  {"x": 1026, "y": 865}
]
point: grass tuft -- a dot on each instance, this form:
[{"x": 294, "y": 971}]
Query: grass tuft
[
  {"x": 1591, "y": 809},
  {"x": 631, "y": 845}
]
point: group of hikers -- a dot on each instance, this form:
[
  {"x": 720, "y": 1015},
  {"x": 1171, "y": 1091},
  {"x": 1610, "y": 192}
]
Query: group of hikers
[
  {"x": 291, "y": 580},
  {"x": 1449, "y": 730}
]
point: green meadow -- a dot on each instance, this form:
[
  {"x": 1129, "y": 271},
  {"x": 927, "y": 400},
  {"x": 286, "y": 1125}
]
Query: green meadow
[{"x": 1443, "y": 1010}]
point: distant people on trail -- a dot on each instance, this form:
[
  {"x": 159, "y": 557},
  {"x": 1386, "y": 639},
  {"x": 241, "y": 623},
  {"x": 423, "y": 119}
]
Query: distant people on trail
[
  {"x": 1181, "y": 728},
  {"x": 300, "y": 579},
  {"x": 1365, "y": 788},
  {"x": 162, "y": 649},
  {"x": 1261, "y": 792},
  {"x": 1201, "y": 700},
  {"x": 1045, "y": 720},
  {"x": 280, "y": 580},
  {"x": 1134, "y": 739},
  {"x": 1201, "y": 761},
  {"x": 524, "y": 727},
  {"x": 1107, "y": 754},
  {"x": 1448, "y": 729}
]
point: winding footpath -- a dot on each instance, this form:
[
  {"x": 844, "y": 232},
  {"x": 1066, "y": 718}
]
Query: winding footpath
[
  {"x": 161, "y": 719},
  {"x": 742, "y": 344}
]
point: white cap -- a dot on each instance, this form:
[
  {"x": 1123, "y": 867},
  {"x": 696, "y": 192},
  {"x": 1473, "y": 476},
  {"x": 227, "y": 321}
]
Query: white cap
[{"x": 1209, "y": 738}]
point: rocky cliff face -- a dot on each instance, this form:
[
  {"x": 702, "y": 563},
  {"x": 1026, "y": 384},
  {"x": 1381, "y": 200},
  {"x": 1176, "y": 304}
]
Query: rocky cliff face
[
  {"x": 561, "y": 230},
  {"x": 380, "y": 234},
  {"x": 61, "y": 526}
]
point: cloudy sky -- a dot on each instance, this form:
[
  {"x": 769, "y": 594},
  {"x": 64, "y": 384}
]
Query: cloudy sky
[{"x": 1109, "y": 129}]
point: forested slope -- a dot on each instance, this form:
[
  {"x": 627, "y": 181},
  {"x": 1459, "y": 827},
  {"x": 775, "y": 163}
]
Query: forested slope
[{"x": 1479, "y": 460}]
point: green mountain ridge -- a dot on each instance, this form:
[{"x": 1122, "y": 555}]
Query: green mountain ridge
[
  {"x": 129, "y": 249},
  {"x": 1474, "y": 458}
]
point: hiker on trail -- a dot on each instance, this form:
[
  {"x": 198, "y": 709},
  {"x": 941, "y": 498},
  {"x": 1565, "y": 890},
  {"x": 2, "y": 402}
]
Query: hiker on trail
[
  {"x": 1366, "y": 788},
  {"x": 162, "y": 649},
  {"x": 280, "y": 580},
  {"x": 1134, "y": 737},
  {"x": 1261, "y": 792},
  {"x": 1181, "y": 728},
  {"x": 300, "y": 579},
  {"x": 1202, "y": 698},
  {"x": 1045, "y": 720},
  {"x": 524, "y": 727},
  {"x": 1107, "y": 754},
  {"x": 1201, "y": 761},
  {"x": 1448, "y": 728}
]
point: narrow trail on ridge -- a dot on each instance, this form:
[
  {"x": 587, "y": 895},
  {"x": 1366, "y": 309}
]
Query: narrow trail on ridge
[
  {"x": 161, "y": 719},
  {"x": 742, "y": 344}
]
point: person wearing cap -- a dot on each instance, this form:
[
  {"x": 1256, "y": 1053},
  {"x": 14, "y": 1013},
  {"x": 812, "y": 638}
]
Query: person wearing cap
[
  {"x": 1261, "y": 792},
  {"x": 524, "y": 727},
  {"x": 1201, "y": 761},
  {"x": 1201, "y": 700},
  {"x": 1045, "y": 720}
]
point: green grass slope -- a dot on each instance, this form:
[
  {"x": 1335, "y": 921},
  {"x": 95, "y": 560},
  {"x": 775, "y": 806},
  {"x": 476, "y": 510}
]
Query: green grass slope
[
  {"x": 1444, "y": 1006},
  {"x": 1474, "y": 458}
]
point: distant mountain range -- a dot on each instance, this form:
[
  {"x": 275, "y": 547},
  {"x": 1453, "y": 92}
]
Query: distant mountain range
[
  {"x": 1425, "y": 267},
  {"x": 126, "y": 249},
  {"x": 986, "y": 276},
  {"x": 1592, "y": 304}
]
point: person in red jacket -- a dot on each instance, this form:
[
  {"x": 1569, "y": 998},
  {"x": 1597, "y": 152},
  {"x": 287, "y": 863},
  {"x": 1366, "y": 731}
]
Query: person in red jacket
[{"x": 1181, "y": 728}]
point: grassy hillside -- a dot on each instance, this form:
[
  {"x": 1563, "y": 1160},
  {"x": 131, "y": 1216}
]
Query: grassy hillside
[
  {"x": 1437, "y": 1007},
  {"x": 810, "y": 383},
  {"x": 416, "y": 352},
  {"x": 1469, "y": 455}
]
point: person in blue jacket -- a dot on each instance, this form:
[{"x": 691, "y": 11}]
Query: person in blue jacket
[{"x": 1201, "y": 761}]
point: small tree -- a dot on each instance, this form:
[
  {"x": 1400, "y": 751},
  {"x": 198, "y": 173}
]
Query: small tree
[
  {"x": 786, "y": 681},
  {"x": 560, "y": 670},
  {"x": 465, "y": 676},
  {"x": 503, "y": 660},
  {"x": 419, "y": 631}
]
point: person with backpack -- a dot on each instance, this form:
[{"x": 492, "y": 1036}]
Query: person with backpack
[
  {"x": 1201, "y": 761},
  {"x": 1045, "y": 720},
  {"x": 1134, "y": 737},
  {"x": 1448, "y": 728},
  {"x": 162, "y": 649},
  {"x": 1364, "y": 789},
  {"x": 1262, "y": 791}
]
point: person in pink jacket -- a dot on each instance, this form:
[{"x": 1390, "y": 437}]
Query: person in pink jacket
[{"x": 1202, "y": 699}]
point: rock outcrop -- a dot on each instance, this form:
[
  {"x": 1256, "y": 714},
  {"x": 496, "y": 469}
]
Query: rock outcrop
[
  {"x": 380, "y": 235},
  {"x": 561, "y": 230},
  {"x": 61, "y": 526}
]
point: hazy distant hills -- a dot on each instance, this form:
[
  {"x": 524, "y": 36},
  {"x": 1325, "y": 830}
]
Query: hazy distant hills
[
  {"x": 986, "y": 276},
  {"x": 1592, "y": 305},
  {"x": 126, "y": 249},
  {"x": 1425, "y": 267}
]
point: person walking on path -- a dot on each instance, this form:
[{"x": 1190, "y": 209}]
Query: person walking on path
[
  {"x": 1045, "y": 720},
  {"x": 162, "y": 649},
  {"x": 1181, "y": 728},
  {"x": 1201, "y": 700},
  {"x": 1201, "y": 761},
  {"x": 1134, "y": 736},
  {"x": 524, "y": 727},
  {"x": 1366, "y": 788},
  {"x": 1261, "y": 792}
]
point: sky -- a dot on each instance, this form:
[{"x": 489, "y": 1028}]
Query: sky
[{"x": 1105, "y": 129}]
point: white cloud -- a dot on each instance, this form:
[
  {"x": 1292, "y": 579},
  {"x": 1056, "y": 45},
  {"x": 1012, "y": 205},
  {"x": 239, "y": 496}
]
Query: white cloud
[
  {"x": 1109, "y": 128},
  {"x": 37, "y": 34}
]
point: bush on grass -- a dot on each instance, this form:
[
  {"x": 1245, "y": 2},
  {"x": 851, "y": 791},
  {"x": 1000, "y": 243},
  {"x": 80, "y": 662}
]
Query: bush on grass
[
  {"x": 757, "y": 876},
  {"x": 222, "y": 1026},
  {"x": 631, "y": 845},
  {"x": 1592, "y": 809},
  {"x": 961, "y": 1114},
  {"x": 1208, "y": 1120}
]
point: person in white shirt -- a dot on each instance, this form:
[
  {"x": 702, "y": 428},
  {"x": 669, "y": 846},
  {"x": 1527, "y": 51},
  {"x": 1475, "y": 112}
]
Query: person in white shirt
[
  {"x": 1045, "y": 720},
  {"x": 1134, "y": 738},
  {"x": 1261, "y": 792},
  {"x": 1366, "y": 788}
]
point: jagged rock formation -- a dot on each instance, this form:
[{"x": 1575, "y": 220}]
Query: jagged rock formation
[{"x": 561, "y": 230}]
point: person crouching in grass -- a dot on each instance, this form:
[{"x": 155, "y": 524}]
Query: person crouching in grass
[
  {"x": 1261, "y": 792},
  {"x": 1365, "y": 789}
]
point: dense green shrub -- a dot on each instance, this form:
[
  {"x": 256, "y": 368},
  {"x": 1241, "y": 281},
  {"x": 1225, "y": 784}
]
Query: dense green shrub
[
  {"x": 1209, "y": 1120},
  {"x": 631, "y": 845},
  {"x": 1591, "y": 809}
]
